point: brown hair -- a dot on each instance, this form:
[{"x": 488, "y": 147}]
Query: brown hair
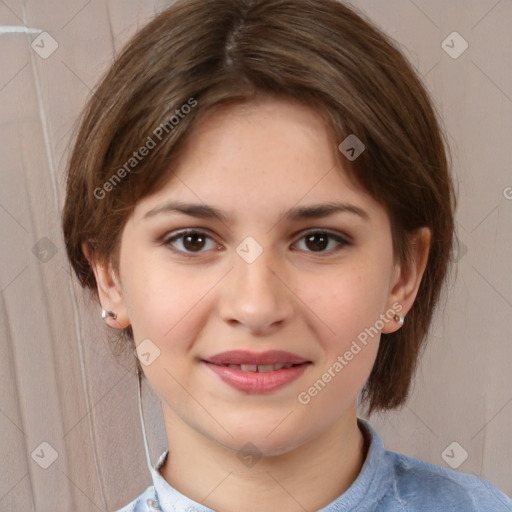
[{"x": 206, "y": 53}]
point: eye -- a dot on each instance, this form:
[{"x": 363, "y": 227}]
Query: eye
[
  {"x": 318, "y": 240},
  {"x": 190, "y": 240}
]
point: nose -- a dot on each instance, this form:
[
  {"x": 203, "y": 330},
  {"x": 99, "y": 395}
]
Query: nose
[{"x": 256, "y": 295}]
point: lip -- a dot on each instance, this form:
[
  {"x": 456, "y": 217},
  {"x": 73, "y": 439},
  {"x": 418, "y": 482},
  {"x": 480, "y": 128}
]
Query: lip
[
  {"x": 256, "y": 382},
  {"x": 246, "y": 357}
]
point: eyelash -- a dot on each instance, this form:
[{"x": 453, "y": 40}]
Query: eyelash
[{"x": 167, "y": 240}]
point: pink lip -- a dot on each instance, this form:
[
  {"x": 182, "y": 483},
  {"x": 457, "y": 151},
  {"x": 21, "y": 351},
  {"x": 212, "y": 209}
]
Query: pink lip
[
  {"x": 246, "y": 357},
  {"x": 255, "y": 382}
]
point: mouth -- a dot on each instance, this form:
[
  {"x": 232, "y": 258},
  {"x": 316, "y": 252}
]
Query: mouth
[
  {"x": 260, "y": 368},
  {"x": 260, "y": 362},
  {"x": 256, "y": 373}
]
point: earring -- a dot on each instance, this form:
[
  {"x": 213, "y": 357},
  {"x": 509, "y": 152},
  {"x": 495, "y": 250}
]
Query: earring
[
  {"x": 399, "y": 319},
  {"x": 106, "y": 313}
]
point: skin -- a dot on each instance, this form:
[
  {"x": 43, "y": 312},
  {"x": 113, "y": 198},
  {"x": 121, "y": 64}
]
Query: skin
[{"x": 256, "y": 161}]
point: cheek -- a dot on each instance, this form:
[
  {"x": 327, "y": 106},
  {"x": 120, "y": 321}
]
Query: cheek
[
  {"x": 346, "y": 301},
  {"x": 165, "y": 304},
  {"x": 348, "y": 311}
]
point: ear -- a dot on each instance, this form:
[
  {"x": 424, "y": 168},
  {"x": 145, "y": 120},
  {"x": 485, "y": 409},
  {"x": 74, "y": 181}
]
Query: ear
[
  {"x": 406, "y": 282},
  {"x": 109, "y": 289}
]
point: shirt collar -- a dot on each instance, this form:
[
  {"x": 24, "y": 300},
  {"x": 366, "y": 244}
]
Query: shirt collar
[{"x": 370, "y": 485}]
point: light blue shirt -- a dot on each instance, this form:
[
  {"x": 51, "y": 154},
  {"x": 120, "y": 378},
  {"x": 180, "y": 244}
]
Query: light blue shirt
[{"x": 387, "y": 482}]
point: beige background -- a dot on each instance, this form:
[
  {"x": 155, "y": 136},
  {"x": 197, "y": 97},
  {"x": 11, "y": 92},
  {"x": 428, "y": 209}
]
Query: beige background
[{"x": 59, "y": 383}]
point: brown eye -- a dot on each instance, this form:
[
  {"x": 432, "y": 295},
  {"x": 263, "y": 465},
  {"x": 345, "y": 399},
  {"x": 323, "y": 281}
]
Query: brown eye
[
  {"x": 189, "y": 241},
  {"x": 318, "y": 241},
  {"x": 193, "y": 242}
]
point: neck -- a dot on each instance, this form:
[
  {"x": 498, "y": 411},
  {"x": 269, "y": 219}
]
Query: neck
[{"x": 306, "y": 478}]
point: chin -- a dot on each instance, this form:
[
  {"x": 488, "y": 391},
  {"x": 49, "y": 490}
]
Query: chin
[{"x": 262, "y": 441}]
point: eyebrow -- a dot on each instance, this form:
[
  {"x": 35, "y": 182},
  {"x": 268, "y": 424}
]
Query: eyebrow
[{"x": 203, "y": 211}]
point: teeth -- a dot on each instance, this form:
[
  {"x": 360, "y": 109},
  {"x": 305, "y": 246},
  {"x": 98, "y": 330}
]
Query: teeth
[
  {"x": 261, "y": 368},
  {"x": 265, "y": 368},
  {"x": 249, "y": 367},
  {"x": 280, "y": 366}
]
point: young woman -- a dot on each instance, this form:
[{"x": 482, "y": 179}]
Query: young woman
[{"x": 259, "y": 194}]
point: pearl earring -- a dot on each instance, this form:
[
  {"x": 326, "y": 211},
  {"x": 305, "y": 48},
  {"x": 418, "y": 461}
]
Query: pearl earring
[
  {"x": 399, "y": 319},
  {"x": 106, "y": 313}
]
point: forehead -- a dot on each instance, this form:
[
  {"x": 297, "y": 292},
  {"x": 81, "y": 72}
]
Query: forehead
[{"x": 256, "y": 157}]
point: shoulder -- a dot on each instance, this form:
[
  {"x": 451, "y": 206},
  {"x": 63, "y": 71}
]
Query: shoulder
[
  {"x": 421, "y": 486},
  {"x": 140, "y": 503}
]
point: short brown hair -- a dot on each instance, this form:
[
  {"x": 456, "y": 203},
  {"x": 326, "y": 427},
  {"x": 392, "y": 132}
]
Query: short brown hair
[{"x": 207, "y": 53}]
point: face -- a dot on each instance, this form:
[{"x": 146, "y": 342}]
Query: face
[{"x": 274, "y": 271}]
